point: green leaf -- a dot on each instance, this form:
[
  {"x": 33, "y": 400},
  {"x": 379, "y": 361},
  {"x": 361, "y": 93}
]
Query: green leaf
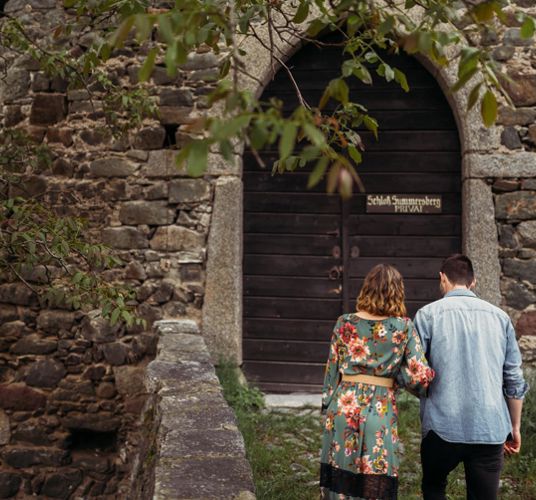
[
  {"x": 371, "y": 124},
  {"x": 314, "y": 135},
  {"x": 170, "y": 59},
  {"x": 115, "y": 315},
  {"x": 473, "y": 96},
  {"x": 165, "y": 28},
  {"x": 301, "y": 13},
  {"x": 488, "y": 108},
  {"x": 527, "y": 28},
  {"x": 484, "y": 11},
  {"x": 355, "y": 154},
  {"x": 401, "y": 79},
  {"x": 316, "y": 27},
  {"x": 387, "y": 25},
  {"x": 464, "y": 79},
  {"x": 197, "y": 159},
  {"x": 288, "y": 139},
  {"x": 122, "y": 32},
  {"x": 127, "y": 317},
  {"x": 148, "y": 65},
  {"x": 318, "y": 172}
]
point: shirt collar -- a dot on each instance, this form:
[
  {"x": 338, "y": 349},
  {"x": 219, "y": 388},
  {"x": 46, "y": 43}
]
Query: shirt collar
[{"x": 460, "y": 292}]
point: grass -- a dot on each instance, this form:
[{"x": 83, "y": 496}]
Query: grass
[{"x": 284, "y": 447}]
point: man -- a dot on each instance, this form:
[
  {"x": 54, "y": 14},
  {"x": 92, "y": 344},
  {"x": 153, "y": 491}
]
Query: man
[{"x": 473, "y": 410}]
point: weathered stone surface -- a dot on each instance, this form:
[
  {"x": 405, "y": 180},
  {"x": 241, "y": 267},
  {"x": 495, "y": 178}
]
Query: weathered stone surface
[
  {"x": 516, "y": 295},
  {"x": 20, "y": 397},
  {"x": 14, "y": 5},
  {"x": 13, "y": 115},
  {"x": 112, "y": 167},
  {"x": 48, "y": 109},
  {"x": 176, "y": 97},
  {"x": 527, "y": 345},
  {"x": 14, "y": 84},
  {"x": 512, "y": 36},
  {"x": 200, "y": 61},
  {"x": 8, "y": 312},
  {"x": 200, "y": 443},
  {"x": 500, "y": 165},
  {"x": 161, "y": 77},
  {"x": 97, "y": 329},
  {"x": 5, "y": 432},
  {"x": 94, "y": 137},
  {"x": 17, "y": 293},
  {"x": 528, "y": 184},
  {"x": 63, "y": 135},
  {"x": 155, "y": 213},
  {"x": 52, "y": 321},
  {"x": 29, "y": 432},
  {"x": 223, "y": 478},
  {"x": 95, "y": 372},
  {"x": 188, "y": 190},
  {"x": 34, "y": 344},
  {"x": 510, "y": 138},
  {"x": 129, "y": 380},
  {"x": 135, "y": 271},
  {"x": 14, "y": 329},
  {"x": 106, "y": 390},
  {"x": 9, "y": 484},
  {"x": 105, "y": 423},
  {"x": 175, "y": 238},
  {"x": 505, "y": 185},
  {"x": 161, "y": 163},
  {"x": 503, "y": 53},
  {"x": 61, "y": 485},
  {"x": 222, "y": 310},
  {"x": 518, "y": 205},
  {"x": 177, "y": 115},
  {"x": 62, "y": 167},
  {"x": 45, "y": 373},
  {"x": 520, "y": 269},
  {"x": 521, "y": 88},
  {"x": 150, "y": 138},
  {"x": 115, "y": 353},
  {"x": 527, "y": 231},
  {"x": 26, "y": 457},
  {"x": 124, "y": 237},
  {"x": 526, "y": 325},
  {"x": 158, "y": 191}
]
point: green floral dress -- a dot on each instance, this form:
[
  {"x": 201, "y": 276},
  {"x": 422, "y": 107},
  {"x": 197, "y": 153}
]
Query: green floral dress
[{"x": 360, "y": 442}]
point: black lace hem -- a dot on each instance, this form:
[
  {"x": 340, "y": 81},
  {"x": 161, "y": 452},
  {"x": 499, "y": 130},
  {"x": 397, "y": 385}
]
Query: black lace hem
[{"x": 369, "y": 486}]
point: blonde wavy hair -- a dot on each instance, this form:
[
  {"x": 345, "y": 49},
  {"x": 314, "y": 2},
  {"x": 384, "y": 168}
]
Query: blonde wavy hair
[{"x": 382, "y": 293}]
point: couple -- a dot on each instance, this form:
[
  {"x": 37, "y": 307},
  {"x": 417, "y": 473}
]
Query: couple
[{"x": 471, "y": 394}]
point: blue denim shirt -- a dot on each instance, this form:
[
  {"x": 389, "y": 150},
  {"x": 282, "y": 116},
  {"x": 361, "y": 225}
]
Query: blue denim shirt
[{"x": 472, "y": 347}]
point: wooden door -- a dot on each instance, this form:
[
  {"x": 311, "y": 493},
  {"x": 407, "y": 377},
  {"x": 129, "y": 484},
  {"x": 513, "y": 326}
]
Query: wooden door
[{"x": 306, "y": 253}]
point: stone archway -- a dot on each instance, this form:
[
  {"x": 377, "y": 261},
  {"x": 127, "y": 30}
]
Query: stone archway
[{"x": 482, "y": 157}]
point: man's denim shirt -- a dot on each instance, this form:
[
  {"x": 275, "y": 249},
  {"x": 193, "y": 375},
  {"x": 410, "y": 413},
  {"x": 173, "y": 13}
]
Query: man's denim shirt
[{"x": 472, "y": 347}]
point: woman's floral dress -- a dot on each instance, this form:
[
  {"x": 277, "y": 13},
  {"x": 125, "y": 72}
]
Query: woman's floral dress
[{"x": 359, "y": 456}]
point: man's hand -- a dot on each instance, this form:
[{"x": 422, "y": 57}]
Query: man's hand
[{"x": 512, "y": 446}]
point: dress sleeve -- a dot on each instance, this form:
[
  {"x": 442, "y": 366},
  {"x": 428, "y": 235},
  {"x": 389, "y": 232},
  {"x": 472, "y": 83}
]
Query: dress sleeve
[
  {"x": 331, "y": 372},
  {"x": 415, "y": 374}
]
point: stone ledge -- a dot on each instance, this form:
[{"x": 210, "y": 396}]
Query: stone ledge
[
  {"x": 499, "y": 165},
  {"x": 196, "y": 450}
]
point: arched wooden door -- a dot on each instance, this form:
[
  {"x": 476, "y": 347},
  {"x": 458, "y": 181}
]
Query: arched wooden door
[{"x": 306, "y": 252}]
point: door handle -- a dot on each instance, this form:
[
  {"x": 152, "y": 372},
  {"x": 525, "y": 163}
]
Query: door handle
[
  {"x": 335, "y": 272},
  {"x": 336, "y": 291}
]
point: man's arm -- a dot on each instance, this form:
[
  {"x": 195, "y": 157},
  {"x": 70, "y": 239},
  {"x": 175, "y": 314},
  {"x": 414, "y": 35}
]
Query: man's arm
[
  {"x": 514, "y": 387},
  {"x": 422, "y": 325}
]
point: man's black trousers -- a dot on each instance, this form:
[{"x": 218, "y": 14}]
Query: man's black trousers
[{"x": 482, "y": 462}]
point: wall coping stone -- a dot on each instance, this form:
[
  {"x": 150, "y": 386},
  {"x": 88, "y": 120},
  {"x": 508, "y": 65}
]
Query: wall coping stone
[{"x": 199, "y": 451}]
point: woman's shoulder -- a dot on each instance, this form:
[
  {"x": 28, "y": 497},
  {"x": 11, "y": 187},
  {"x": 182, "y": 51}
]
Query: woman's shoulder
[{"x": 402, "y": 322}]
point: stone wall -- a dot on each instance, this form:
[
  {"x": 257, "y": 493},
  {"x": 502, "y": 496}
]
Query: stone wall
[{"x": 192, "y": 447}]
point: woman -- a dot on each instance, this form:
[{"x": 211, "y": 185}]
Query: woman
[{"x": 369, "y": 350}]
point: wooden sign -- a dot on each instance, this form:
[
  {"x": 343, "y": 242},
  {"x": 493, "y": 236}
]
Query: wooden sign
[{"x": 404, "y": 204}]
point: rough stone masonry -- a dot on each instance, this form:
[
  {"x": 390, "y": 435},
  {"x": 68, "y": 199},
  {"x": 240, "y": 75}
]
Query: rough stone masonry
[{"x": 71, "y": 387}]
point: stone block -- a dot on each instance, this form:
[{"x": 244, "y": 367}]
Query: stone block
[
  {"x": 5, "y": 432},
  {"x": 48, "y": 109},
  {"x": 127, "y": 238},
  {"x": 129, "y": 380},
  {"x": 13, "y": 115},
  {"x": 185, "y": 347},
  {"x": 516, "y": 116},
  {"x": 176, "y": 97},
  {"x": 195, "y": 443},
  {"x": 95, "y": 137},
  {"x": 527, "y": 345},
  {"x": 9, "y": 484},
  {"x": 519, "y": 205},
  {"x": 83, "y": 421},
  {"x": 63, "y": 167},
  {"x": 161, "y": 77},
  {"x": 161, "y": 163},
  {"x": 27, "y": 457},
  {"x": 20, "y": 397},
  {"x": 177, "y": 115},
  {"x": 135, "y": 271},
  {"x": 527, "y": 231},
  {"x": 512, "y": 36},
  {"x": 188, "y": 190},
  {"x": 62, "y": 135},
  {"x": 153, "y": 213},
  {"x": 106, "y": 390},
  {"x": 158, "y": 191},
  {"x": 112, "y": 167},
  {"x": 505, "y": 185},
  {"x": 181, "y": 326},
  {"x": 32, "y": 433},
  {"x": 14, "y": 5},
  {"x": 499, "y": 165},
  {"x": 521, "y": 88},
  {"x": 115, "y": 353},
  {"x": 200, "y": 61},
  {"x": 528, "y": 184},
  {"x": 181, "y": 376},
  {"x": 34, "y": 344},
  {"x": 61, "y": 485},
  {"x": 97, "y": 329},
  {"x": 95, "y": 372},
  {"x": 522, "y": 270},
  {"x": 503, "y": 53},
  {"x": 40, "y": 82},
  {"x": 526, "y": 325},
  {"x": 223, "y": 477},
  {"x": 45, "y": 373},
  {"x": 52, "y": 321},
  {"x": 516, "y": 295},
  {"x": 150, "y": 138},
  {"x": 14, "y": 85},
  {"x": 510, "y": 138},
  {"x": 176, "y": 238}
]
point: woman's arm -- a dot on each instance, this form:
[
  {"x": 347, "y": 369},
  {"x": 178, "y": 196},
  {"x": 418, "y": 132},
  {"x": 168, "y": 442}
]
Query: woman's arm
[{"x": 331, "y": 372}]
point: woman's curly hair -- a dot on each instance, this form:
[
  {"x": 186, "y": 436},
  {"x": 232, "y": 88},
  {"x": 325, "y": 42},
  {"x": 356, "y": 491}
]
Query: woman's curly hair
[{"x": 382, "y": 293}]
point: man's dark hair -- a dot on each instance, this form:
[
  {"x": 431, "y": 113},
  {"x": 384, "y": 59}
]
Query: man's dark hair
[{"x": 459, "y": 269}]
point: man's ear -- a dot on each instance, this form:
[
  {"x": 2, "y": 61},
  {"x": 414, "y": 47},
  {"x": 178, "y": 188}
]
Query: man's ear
[{"x": 473, "y": 284}]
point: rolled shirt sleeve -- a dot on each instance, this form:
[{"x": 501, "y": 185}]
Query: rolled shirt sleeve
[{"x": 514, "y": 385}]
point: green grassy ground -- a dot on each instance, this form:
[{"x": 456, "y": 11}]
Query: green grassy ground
[{"x": 284, "y": 448}]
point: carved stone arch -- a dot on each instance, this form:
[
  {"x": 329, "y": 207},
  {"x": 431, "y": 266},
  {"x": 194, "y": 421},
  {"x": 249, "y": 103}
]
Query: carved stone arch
[{"x": 481, "y": 158}]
